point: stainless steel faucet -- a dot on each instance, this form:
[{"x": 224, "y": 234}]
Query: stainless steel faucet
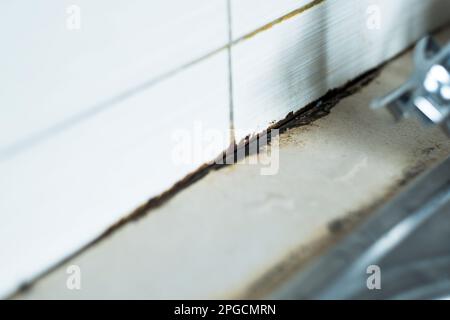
[{"x": 427, "y": 93}]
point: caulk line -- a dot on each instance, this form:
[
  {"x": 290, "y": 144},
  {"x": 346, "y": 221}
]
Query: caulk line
[{"x": 277, "y": 21}]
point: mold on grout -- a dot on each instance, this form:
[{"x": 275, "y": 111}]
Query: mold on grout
[{"x": 303, "y": 117}]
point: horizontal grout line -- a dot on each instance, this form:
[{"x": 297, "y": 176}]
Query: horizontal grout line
[
  {"x": 277, "y": 21},
  {"x": 42, "y": 135}
]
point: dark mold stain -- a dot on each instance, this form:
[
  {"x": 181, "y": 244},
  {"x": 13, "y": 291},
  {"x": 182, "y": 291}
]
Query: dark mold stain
[{"x": 305, "y": 116}]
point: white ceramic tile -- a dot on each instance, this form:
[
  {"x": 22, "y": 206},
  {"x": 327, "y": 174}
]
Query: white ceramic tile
[
  {"x": 249, "y": 15},
  {"x": 297, "y": 61},
  {"x": 62, "y": 193},
  {"x": 50, "y": 74}
]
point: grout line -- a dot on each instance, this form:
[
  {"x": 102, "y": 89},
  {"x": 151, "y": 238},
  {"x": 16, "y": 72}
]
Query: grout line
[
  {"x": 279, "y": 20},
  {"x": 230, "y": 73}
]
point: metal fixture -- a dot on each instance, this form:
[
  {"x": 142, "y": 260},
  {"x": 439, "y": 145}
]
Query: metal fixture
[{"x": 427, "y": 93}]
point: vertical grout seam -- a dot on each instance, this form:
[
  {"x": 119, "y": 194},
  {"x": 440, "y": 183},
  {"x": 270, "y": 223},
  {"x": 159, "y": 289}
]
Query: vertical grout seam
[{"x": 230, "y": 75}]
